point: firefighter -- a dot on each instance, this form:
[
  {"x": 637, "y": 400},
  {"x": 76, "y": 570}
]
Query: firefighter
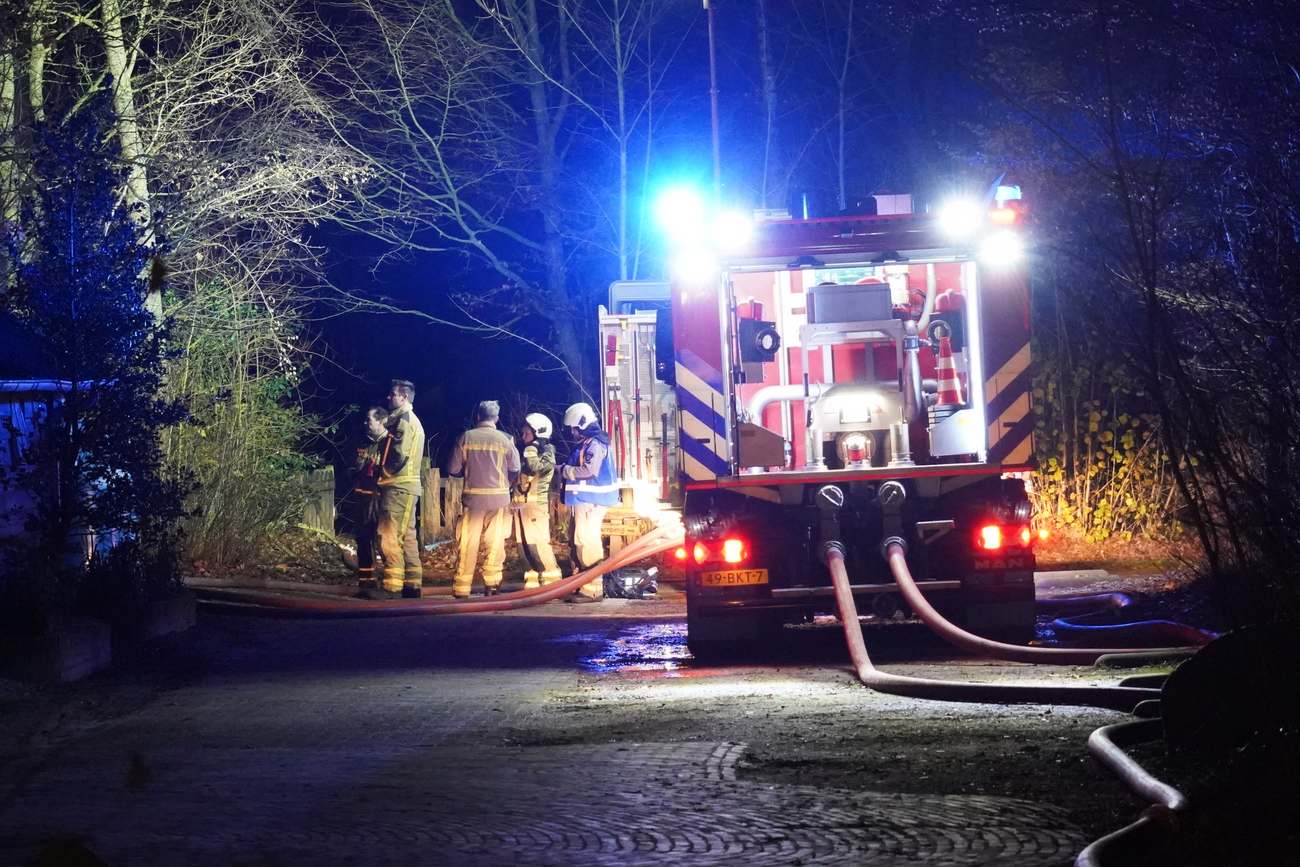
[
  {"x": 532, "y": 500},
  {"x": 399, "y": 492},
  {"x": 365, "y": 492},
  {"x": 489, "y": 461},
  {"x": 590, "y": 488}
]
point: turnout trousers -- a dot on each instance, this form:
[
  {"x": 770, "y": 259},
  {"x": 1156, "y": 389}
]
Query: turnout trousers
[
  {"x": 481, "y": 525},
  {"x": 367, "y": 539},
  {"x": 533, "y": 522},
  {"x": 588, "y": 546},
  {"x": 397, "y": 542}
]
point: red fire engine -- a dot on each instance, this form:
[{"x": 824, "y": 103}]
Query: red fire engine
[{"x": 886, "y": 355}]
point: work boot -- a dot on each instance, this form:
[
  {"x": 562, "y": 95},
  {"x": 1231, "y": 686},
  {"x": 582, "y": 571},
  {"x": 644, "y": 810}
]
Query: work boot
[
  {"x": 491, "y": 591},
  {"x": 411, "y": 591},
  {"x": 378, "y": 593},
  {"x": 364, "y": 588}
]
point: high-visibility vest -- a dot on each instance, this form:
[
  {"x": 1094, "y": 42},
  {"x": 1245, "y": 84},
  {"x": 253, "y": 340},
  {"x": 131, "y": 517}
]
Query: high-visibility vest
[{"x": 602, "y": 489}]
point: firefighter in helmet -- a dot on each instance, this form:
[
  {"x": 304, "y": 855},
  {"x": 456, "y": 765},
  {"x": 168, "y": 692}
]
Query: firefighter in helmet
[
  {"x": 590, "y": 488},
  {"x": 489, "y": 461},
  {"x": 532, "y": 500},
  {"x": 399, "y": 492}
]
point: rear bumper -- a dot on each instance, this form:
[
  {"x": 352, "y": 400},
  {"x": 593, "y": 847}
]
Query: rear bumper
[{"x": 799, "y": 598}]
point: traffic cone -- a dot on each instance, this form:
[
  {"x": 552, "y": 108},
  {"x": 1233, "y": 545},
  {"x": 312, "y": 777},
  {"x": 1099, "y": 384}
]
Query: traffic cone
[{"x": 949, "y": 385}]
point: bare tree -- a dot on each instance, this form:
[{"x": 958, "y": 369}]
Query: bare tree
[{"x": 490, "y": 136}]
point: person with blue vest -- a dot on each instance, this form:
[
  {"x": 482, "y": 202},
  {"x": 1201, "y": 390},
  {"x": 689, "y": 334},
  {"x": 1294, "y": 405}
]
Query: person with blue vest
[{"x": 590, "y": 488}]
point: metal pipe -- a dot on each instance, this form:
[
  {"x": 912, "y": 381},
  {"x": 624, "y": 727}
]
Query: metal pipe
[
  {"x": 913, "y": 401},
  {"x": 770, "y": 394},
  {"x": 931, "y": 291}
]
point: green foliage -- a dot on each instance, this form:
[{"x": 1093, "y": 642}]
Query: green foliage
[
  {"x": 96, "y": 468},
  {"x": 1102, "y": 472},
  {"x": 238, "y": 368}
]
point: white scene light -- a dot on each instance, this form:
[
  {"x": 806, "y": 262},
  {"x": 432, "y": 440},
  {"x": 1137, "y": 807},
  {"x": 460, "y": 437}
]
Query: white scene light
[
  {"x": 681, "y": 213},
  {"x": 694, "y": 266},
  {"x": 1002, "y": 248},
  {"x": 731, "y": 230},
  {"x": 960, "y": 218}
]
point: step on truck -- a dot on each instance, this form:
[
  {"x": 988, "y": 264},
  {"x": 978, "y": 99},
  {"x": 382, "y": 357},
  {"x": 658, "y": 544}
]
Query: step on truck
[{"x": 885, "y": 354}]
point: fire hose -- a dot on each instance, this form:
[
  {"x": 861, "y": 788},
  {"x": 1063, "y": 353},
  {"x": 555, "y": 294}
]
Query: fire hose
[
  {"x": 1123, "y": 698},
  {"x": 1126, "y": 845},
  {"x": 1138, "y": 695},
  {"x": 663, "y": 538},
  {"x": 1085, "y": 615},
  {"x": 896, "y": 554}
]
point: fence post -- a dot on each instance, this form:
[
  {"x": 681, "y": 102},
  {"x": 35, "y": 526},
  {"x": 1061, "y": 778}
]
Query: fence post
[
  {"x": 431, "y": 505},
  {"x": 452, "y": 488}
]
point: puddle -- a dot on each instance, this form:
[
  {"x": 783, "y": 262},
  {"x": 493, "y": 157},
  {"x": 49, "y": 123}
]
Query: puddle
[{"x": 645, "y": 647}]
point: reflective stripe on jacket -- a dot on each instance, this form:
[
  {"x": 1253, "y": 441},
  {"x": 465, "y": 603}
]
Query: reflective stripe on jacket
[
  {"x": 537, "y": 468},
  {"x": 488, "y": 460},
  {"x": 591, "y": 479},
  {"x": 401, "y": 469}
]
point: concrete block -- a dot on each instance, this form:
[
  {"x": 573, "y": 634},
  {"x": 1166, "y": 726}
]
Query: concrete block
[{"x": 70, "y": 649}]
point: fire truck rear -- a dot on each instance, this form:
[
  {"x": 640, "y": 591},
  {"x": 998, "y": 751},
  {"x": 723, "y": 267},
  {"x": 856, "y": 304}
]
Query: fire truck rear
[{"x": 886, "y": 355}]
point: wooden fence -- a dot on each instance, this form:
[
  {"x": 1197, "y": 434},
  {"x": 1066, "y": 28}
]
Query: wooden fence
[
  {"x": 440, "y": 505},
  {"x": 318, "y": 510}
]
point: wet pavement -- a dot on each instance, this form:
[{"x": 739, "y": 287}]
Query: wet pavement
[{"x": 561, "y": 735}]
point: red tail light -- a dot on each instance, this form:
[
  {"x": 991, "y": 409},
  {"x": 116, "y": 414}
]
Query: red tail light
[
  {"x": 680, "y": 553},
  {"x": 734, "y": 550},
  {"x": 989, "y": 537},
  {"x": 995, "y": 537},
  {"x": 699, "y": 553}
]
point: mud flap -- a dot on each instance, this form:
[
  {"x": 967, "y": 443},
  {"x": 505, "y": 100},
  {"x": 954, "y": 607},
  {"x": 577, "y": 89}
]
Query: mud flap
[
  {"x": 731, "y": 634},
  {"x": 1000, "y": 604}
]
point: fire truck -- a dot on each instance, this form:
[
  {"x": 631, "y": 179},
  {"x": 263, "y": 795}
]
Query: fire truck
[{"x": 881, "y": 359}]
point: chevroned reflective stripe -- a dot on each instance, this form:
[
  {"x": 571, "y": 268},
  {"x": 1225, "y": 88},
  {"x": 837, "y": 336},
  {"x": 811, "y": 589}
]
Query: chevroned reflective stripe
[{"x": 704, "y": 445}]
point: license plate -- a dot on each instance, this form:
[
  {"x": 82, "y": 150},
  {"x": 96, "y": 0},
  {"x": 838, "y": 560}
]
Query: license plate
[{"x": 733, "y": 578}]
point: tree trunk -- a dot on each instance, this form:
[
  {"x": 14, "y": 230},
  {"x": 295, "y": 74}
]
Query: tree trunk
[
  {"x": 560, "y": 309},
  {"x": 769, "y": 99},
  {"x": 128, "y": 133},
  {"x": 8, "y": 122},
  {"x": 621, "y": 87},
  {"x": 36, "y": 62},
  {"x": 841, "y": 93}
]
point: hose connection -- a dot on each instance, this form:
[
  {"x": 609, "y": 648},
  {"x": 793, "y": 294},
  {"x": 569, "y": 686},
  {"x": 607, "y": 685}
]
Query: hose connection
[{"x": 892, "y": 540}]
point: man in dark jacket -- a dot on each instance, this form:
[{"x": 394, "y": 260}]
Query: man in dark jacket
[{"x": 365, "y": 495}]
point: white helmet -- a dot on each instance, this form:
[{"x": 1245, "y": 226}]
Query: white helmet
[
  {"x": 580, "y": 415},
  {"x": 540, "y": 424}
]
